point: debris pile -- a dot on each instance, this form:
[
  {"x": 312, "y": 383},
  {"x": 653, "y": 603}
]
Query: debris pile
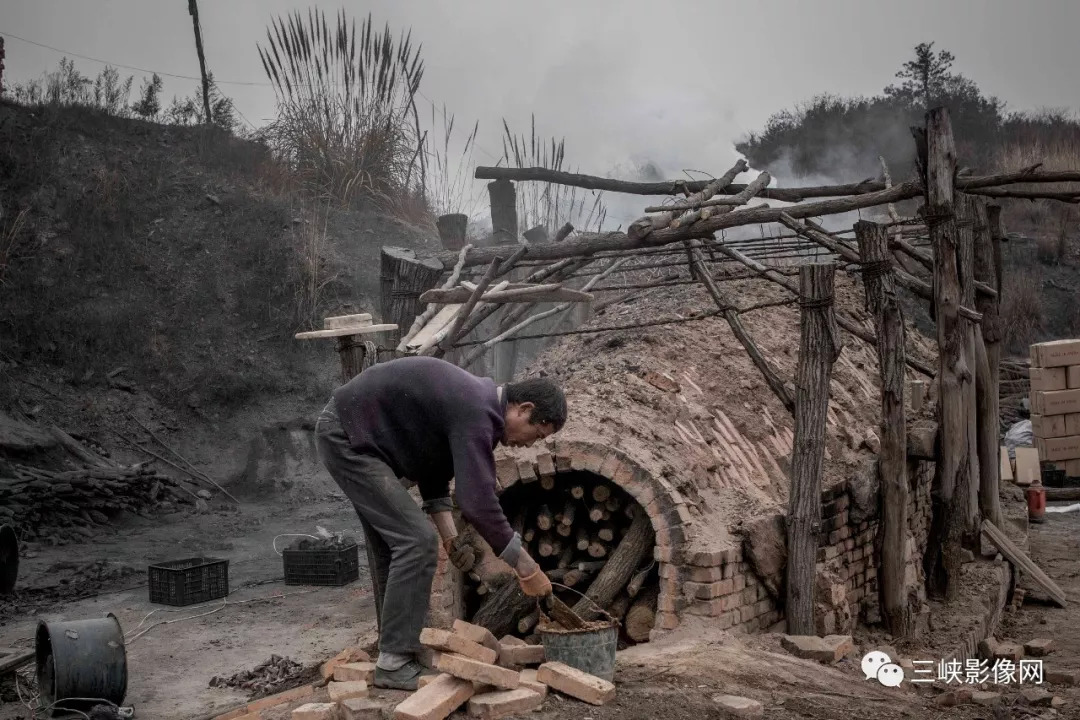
[{"x": 267, "y": 678}]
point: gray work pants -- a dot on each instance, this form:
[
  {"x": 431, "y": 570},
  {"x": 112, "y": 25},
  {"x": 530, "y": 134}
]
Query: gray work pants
[{"x": 402, "y": 545}]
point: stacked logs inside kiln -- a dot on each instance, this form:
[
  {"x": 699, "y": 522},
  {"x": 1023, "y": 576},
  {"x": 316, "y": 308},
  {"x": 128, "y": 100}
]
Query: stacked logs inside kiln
[{"x": 591, "y": 538}]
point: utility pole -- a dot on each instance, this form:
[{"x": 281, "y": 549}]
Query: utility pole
[{"x": 193, "y": 10}]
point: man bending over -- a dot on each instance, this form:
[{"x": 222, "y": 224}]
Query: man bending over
[{"x": 423, "y": 421}]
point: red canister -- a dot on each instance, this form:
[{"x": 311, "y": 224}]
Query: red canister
[{"x": 1036, "y": 500}]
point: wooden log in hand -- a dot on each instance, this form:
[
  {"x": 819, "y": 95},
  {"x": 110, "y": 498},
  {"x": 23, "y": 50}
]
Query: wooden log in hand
[{"x": 503, "y": 606}]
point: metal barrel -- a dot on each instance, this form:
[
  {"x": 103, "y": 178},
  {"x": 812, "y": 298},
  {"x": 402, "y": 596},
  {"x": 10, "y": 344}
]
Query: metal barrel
[{"x": 81, "y": 659}]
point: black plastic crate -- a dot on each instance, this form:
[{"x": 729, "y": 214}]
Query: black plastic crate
[
  {"x": 189, "y": 581},
  {"x": 323, "y": 563}
]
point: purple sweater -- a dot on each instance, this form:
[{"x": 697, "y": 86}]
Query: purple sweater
[{"x": 431, "y": 421}]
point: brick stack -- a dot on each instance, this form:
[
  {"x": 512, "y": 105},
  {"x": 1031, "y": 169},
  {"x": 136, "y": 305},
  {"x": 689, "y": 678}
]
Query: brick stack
[{"x": 1055, "y": 403}]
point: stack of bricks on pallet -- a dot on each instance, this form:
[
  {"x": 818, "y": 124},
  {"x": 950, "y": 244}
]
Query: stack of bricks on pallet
[{"x": 1055, "y": 403}]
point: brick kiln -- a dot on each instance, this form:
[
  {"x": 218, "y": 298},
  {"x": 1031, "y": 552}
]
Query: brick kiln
[{"x": 675, "y": 424}]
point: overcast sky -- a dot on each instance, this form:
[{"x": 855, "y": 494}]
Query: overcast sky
[{"x": 623, "y": 81}]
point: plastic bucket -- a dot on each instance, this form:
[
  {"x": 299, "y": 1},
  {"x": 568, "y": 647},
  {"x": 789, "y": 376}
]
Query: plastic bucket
[
  {"x": 590, "y": 650},
  {"x": 81, "y": 659}
]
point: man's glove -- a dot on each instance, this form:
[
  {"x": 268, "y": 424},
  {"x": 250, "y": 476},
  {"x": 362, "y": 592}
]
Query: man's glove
[
  {"x": 535, "y": 585},
  {"x": 461, "y": 553}
]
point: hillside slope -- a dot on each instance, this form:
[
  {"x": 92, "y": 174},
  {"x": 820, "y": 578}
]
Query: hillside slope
[{"x": 158, "y": 269}]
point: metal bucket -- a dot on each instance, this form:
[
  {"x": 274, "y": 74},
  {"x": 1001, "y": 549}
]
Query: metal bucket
[
  {"x": 591, "y": 650},
  {"x": 84, "y": 660}
]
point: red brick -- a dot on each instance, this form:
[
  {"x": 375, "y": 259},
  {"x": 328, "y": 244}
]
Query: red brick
[
  {"x": 563, "y": 463},
  {"x": 479, "y": 672},
  {"x": 610, "y": 466},
  {"x": 705, "y": 575},
  {"x": 740, "y": 582},
  {"x": 449, "y": 642},
  {"x": 545, "y": 464},
  {"x": 352, "y": 672},
  {"x": 495, "y": 705},
  {"x": 526, "y": 471},
  {"x": 670, "y": 603},
  {"x": 762, "y": 606},
  {"x": 436, "y": 700},
  {"x": 315, "y": 711},
  {"x": 667, "y": 620},
  {"x": 724, "y": 621},
  {"x": 348, "y": 655},
  {"x": 708, "y": 591},
  {"x": 476, "y": 634},
  {"x": 344, "y": 690},
  {"x": 682, "y": 513},
  {"x": 733, "y": 601},
  {"x": 575, "y": 683},
  {"x": 708, "y": 608},
  {"x": 297, "y": 693},
  {"x": 362, "y": 709},
  {"x": 667, "y": 570},
  {"x": 528, "y": 680},
  {"x": 706, "y": 558},
  {"x": 506, "y": 471},
  {"x": 521, "y": 655}
]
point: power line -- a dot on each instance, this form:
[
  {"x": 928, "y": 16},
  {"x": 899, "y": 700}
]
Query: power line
[{"x": 132, "y": 67}]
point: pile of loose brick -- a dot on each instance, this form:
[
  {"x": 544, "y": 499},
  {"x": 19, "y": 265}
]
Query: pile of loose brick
[
  {"x": 1055, "y": 404},
  {"x": 492, "y": 678}
]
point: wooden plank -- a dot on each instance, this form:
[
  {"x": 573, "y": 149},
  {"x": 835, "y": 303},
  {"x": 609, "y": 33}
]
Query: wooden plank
[
  {"x": 550, "y": 292},
  {"x": 1027, "y": 466},
  {"x": 14, "y": 662},
  {"x": 441, "y": 320},
  {"x": 1017, "y": 557},
  {"x": 1006, "y": 464}
]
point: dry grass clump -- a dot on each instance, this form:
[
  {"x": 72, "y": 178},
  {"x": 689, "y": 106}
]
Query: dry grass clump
[{"x": 347, "y": 124}]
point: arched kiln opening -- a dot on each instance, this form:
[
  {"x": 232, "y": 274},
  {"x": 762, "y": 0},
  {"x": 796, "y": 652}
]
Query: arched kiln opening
[{"x": 591, "y": 537}]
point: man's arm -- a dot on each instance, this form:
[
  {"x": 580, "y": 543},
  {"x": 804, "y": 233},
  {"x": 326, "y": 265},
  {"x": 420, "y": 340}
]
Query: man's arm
[{"x": 474, "y": 473}]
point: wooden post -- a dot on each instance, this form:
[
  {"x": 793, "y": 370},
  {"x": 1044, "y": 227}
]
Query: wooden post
[
  {"x": 968, "y": 506},
  {"x": 892, "y": 459},
  {"x": 356, "y": 355},
  {"x": 404, "y": 276},
  {"x": 988, "y": 363},
  {"x": 819, "y": 346},
  {"x": 504, "y": 228},
  {"x": 504, "y": 219},
  {"x": 954, "y": 467},
  {"x": 452, "y": 230},
  {"x": 193, "y": 10}
]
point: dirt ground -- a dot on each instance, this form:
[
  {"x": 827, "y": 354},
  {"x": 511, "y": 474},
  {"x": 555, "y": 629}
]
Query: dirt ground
[{"x": 170, "y": 665}]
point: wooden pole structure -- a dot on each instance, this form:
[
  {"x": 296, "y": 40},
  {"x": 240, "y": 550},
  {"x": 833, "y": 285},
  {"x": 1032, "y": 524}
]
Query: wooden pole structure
[
  {"x": 504, "y": 219},
  {"x": 193, "y": 10},
  {"x": 988, "y": 362},
  {"x": 968, "y": 500},
  {"x": 404, "y": 277},
  {"x": 954, "y": 468},
  {"x": 453, "y": 229},
  {"x": 880, "y": 284},
  {"x": 819, "y": 347},
  {"x": 504, "y": 228},
  {"x": 355, "y": 355}
]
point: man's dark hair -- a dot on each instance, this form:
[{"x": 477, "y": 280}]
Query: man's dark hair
[{"x": 549, "y": 403}]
